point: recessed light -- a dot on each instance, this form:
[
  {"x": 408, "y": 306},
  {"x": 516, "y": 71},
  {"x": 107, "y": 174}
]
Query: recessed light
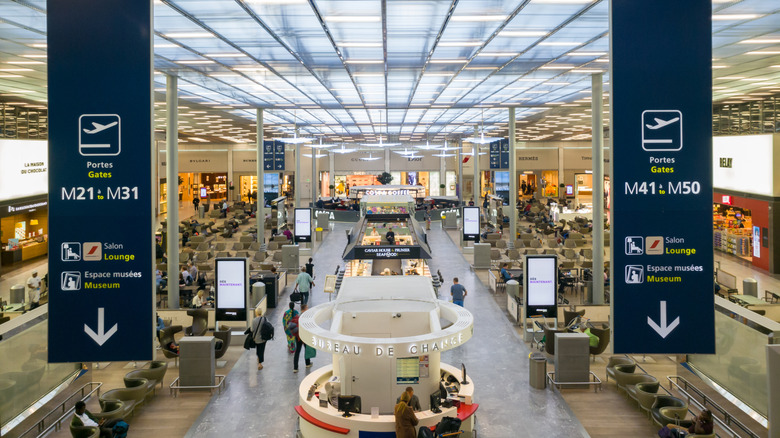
[
  {"x": 24, "y": 62},
  {"x": 33, "y": 56},
  {"x": 497, "y": 54},
  {"x": 227, "y": 55},
  {"x": 358, "y": 44},
  {"x": 731, "y": 78},
  {"x": 15, "y": 69}
]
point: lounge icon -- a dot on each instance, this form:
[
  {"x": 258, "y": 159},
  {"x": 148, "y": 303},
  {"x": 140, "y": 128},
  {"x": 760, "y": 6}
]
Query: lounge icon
[
  {"x": 662, "y": 130},
  {"x": 100, "y": 135}
]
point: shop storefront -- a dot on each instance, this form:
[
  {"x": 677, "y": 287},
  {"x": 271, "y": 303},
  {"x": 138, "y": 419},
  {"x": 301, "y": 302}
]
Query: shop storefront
[
  {"x": 24, "y": 223},
  {"x": 746, "y": 197}
]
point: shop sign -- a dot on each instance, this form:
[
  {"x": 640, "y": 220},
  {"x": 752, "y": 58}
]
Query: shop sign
[
  {"x": 25, "y": 169},
  {"x": 662, "y": 121},
  {"x": 101, "y": 285},
  {"x": 25, "y": 208},
  {"x": 725, "y": 199},
  {"x": 387, "y": 252}
]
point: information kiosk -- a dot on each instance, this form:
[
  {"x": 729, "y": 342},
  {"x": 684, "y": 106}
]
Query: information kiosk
[{"x": 385, "y": 334}]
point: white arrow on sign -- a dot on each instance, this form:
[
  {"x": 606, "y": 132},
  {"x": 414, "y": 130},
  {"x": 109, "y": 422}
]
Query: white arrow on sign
[
  {"x": 663, "y": 329},
  {"x": 101, "y": 336}
]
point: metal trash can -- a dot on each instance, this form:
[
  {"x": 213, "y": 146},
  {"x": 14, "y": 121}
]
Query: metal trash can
[
  {"x": 17, "y": 294},
  {"x": 750, "y": 287},
  {"x": 201, "y": 211},
  {"x": 537, "y": 370},
  {"x": 318, "y": 230}
]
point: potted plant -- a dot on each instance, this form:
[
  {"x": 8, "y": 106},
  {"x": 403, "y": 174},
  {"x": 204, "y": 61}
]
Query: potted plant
[{"x": 384, "y": 178}]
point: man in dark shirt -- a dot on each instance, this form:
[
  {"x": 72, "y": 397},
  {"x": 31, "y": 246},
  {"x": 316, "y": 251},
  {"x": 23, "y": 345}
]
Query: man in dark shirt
[
  {"x": 458, "y": 292},
  {"x": 390, "y": 236}
]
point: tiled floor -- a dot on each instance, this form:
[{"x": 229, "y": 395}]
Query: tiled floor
[{"x": 259, "y": 403}]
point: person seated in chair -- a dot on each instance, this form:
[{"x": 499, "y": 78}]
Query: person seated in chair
[
  {"x": 506, "y": 276},
  {"x": 82, "y": 417},
  {"x": 287, "y": 233},
  {"x": 390, "y": 236}
]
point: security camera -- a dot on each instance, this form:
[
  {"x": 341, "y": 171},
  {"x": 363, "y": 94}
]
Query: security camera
[{"x": 396, "y": 315}]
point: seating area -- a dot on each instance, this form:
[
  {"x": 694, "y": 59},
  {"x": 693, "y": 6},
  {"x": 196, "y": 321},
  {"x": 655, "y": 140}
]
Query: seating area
[{"x": 661, "y": 407}]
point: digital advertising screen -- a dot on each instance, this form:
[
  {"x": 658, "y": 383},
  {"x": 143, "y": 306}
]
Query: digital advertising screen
[
  {"x": 302, "y": 231},
  {"x": 231, "y": 274},
  {"x": 204, "y": 193},
  {"x": 541, "y": 284},
  {"x": 471, "y": 223}
]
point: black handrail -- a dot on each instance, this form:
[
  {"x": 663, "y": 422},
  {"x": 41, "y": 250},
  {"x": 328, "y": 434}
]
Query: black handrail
[{"x": 41, "y": 431}]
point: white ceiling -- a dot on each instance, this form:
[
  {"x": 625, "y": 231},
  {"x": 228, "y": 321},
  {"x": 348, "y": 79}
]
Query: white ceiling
[{"x": 414, "y": 69}]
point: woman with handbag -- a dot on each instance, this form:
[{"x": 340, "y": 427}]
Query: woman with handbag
[
  {"x": 405, "y": 420},
  {"x": 288, "y": 316},
  {"x": 256, "y": 336}
]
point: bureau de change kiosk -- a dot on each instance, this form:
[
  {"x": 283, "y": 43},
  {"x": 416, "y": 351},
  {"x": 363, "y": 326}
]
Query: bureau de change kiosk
[{"x": 385, "y": 334}]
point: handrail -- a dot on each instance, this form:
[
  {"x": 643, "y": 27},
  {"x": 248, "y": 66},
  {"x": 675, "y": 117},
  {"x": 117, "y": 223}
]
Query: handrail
[
  {"x": 729, "y": 419},
  {"x": 61, "y": 407}
]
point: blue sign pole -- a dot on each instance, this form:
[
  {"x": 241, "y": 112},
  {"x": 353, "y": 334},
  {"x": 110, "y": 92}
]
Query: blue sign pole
[
  {"x": 661, "y": 57},
  {"x": 100, "y": 182}
]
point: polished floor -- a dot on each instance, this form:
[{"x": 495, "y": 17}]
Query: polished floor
[{"x": 260, "y": 403}]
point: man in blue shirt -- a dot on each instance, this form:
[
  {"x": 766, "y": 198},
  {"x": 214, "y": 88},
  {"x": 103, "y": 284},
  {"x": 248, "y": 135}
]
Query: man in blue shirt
[
  {"x": 303, "y": 284},
  {"x": 458, "y": 292},
  {"x": 505, "y": 275}
]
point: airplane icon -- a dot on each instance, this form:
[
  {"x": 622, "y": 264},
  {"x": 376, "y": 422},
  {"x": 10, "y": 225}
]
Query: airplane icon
[
  {"x": 661, "y": 123},
  {"x": 99, "y": 128}
]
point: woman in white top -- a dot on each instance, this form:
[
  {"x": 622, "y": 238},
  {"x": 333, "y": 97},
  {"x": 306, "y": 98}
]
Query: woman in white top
[{"x": 198, "y": 301}]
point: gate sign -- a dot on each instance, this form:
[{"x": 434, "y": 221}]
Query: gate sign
[
  {"x": 100, "y": 205},
  {"x": 662, "y": 128}
]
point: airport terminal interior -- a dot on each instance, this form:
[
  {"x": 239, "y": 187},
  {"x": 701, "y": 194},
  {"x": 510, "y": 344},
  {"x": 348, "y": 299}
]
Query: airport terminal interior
[{"x": 439, "y": 196}]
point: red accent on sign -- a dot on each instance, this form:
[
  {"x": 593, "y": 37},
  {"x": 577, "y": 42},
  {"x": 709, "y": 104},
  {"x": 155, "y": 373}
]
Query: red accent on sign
[
  {"x": 92, "y": 251},
  {"x": 655, "y": 244}
]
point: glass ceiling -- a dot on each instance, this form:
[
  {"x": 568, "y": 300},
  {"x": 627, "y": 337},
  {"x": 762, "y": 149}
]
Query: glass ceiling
[{"x": 355, "y": 70}]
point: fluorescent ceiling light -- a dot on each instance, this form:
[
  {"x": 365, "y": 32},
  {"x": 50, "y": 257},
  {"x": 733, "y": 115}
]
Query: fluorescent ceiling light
[
  {"x": 318, "y": 155},
  {"x": 523, "y": 33},
  {"x": 195, "y": 61},
  {"x": 443, "y": 155},
  {"x": 764, "y": 52},
  {"x": 24, "y": 62},
  {"x": 559, "y": 43},
  {"x": 556, "y": 67},
  {"x": 497, "y": 54},
  {"x": 353, "y": 18},
  {"x": 733, "y": 78},
  {"x": 39, "y": 45},
  {"x": 368, "y": 75},
  {"x": 33, "y": 56},
  {"x": 356, "y": 44},
  {"x": 761, "y": 41},
  {"x": 563, "y": 2},
  {"x": 166, "y": 46},
  {"x": 479, "y": 18},
  {"x": 176, "y": 35},
  {"x": 460, "y": 43},
  {"x": 432, "y": 75},
  {"x": 587, "y": 70},
  {"x": 364, "y": 61},
  {"x": 581, "y": 53},
  {"x": 15, "y": 69},
  {"x": 719, "y": 66},
  {"x": 449, "y": 61},
  {"x": 227, "y": 55},
  {"x": 723, "y": 17}
]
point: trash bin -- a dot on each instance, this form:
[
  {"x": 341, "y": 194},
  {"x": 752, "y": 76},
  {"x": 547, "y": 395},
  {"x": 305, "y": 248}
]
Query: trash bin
[
  {"x": 750, "y": 287},
  {"x": 17, "y": 294},
  {"x": 201, "y": 211},
  {"x": 318, "y": 230},
  {"x": 537, "y": 370}
]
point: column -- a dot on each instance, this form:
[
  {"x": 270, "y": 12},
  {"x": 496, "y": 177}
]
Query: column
[
  {"x": 477, "y": 176},
  {"x": 597, "y": 107},
  {"x": 297, "y": 197},
  {"x": 512, "y": 210},
  {"x": 229, "y": 181},
  {"x": 332, "y": 172},
  {"x": 561, "y": 190},
  {"x": 314, "y": 179},
  {"x": 387, "y": 163},
  {"x": 459, "y": 156},
  {"x": 442, "y": 176},
  {"x": 172, "y": 175},
  {"x": 260, "y": 214}
]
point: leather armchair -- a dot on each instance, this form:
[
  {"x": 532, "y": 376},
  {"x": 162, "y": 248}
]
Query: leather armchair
[
  {"x": 111, "y": 410},
  {"x": 604, "y": 336},
  {"x": 668, "y": 409},
  {"x": 200, "y": 322},
  {"x": 549, "y": 340},
  {"x": 84, "y": 431},
  {"x": 130, "y": 397},
  {"x": 154, "y": 375},
  {"x": 224, "y": 336},
  {"x": 646, "y": 393},
  {"x": 625, "y": 375},
  {"x": 568, "y": 316},
  {"x": 167, "y": 335},
  {"x": 617, "y": 360},
  {"x": 631, "y": 389}
]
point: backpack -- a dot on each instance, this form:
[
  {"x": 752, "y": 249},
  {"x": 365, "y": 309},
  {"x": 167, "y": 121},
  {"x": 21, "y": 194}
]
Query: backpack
[
  {"x": 120, "y": 429},
  {"x": 448, "y": 425},
  {"x": 266, "y": 330}
]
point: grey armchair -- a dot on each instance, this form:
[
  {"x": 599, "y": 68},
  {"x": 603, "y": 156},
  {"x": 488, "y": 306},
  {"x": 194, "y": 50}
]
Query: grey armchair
[
  {"x": 84, "y": 431},
  {"x": 568, "y": 316},
  {"x": 154, "y": 375},
  {"x": 631, "y": 388},
  {"x": 130, "y": 397},
  {"x": 167, "y": 335},
  {"x": 604, "y": 335},
  {"x": 200, "y": 322},
  {"x": 617, "y": 360},
  {"x": 224, "y": 335},
  {"x": 549, "y": 340},
  {"x": 668, "y": 409},
  {"x": 625, "y": 375},
  {"x": 646, "y": 393}
]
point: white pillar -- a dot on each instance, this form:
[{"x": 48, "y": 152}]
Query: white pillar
[
  {"x": 229, "y": 192},
  {"x": 442, "y": 176},
  {"x": 260, "y": 214},
  {"x": 459, "y": 156},
  {"x": 297, "y": 179},
  {"x": 512, "y": 210},
  {"x": 561, "y": 191},
  {"x": 332, "y": 171},
  {"x": 172, "y": 175},
  {"x": 387, "y": 162},
  {"x": 597, "y": 107}
]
